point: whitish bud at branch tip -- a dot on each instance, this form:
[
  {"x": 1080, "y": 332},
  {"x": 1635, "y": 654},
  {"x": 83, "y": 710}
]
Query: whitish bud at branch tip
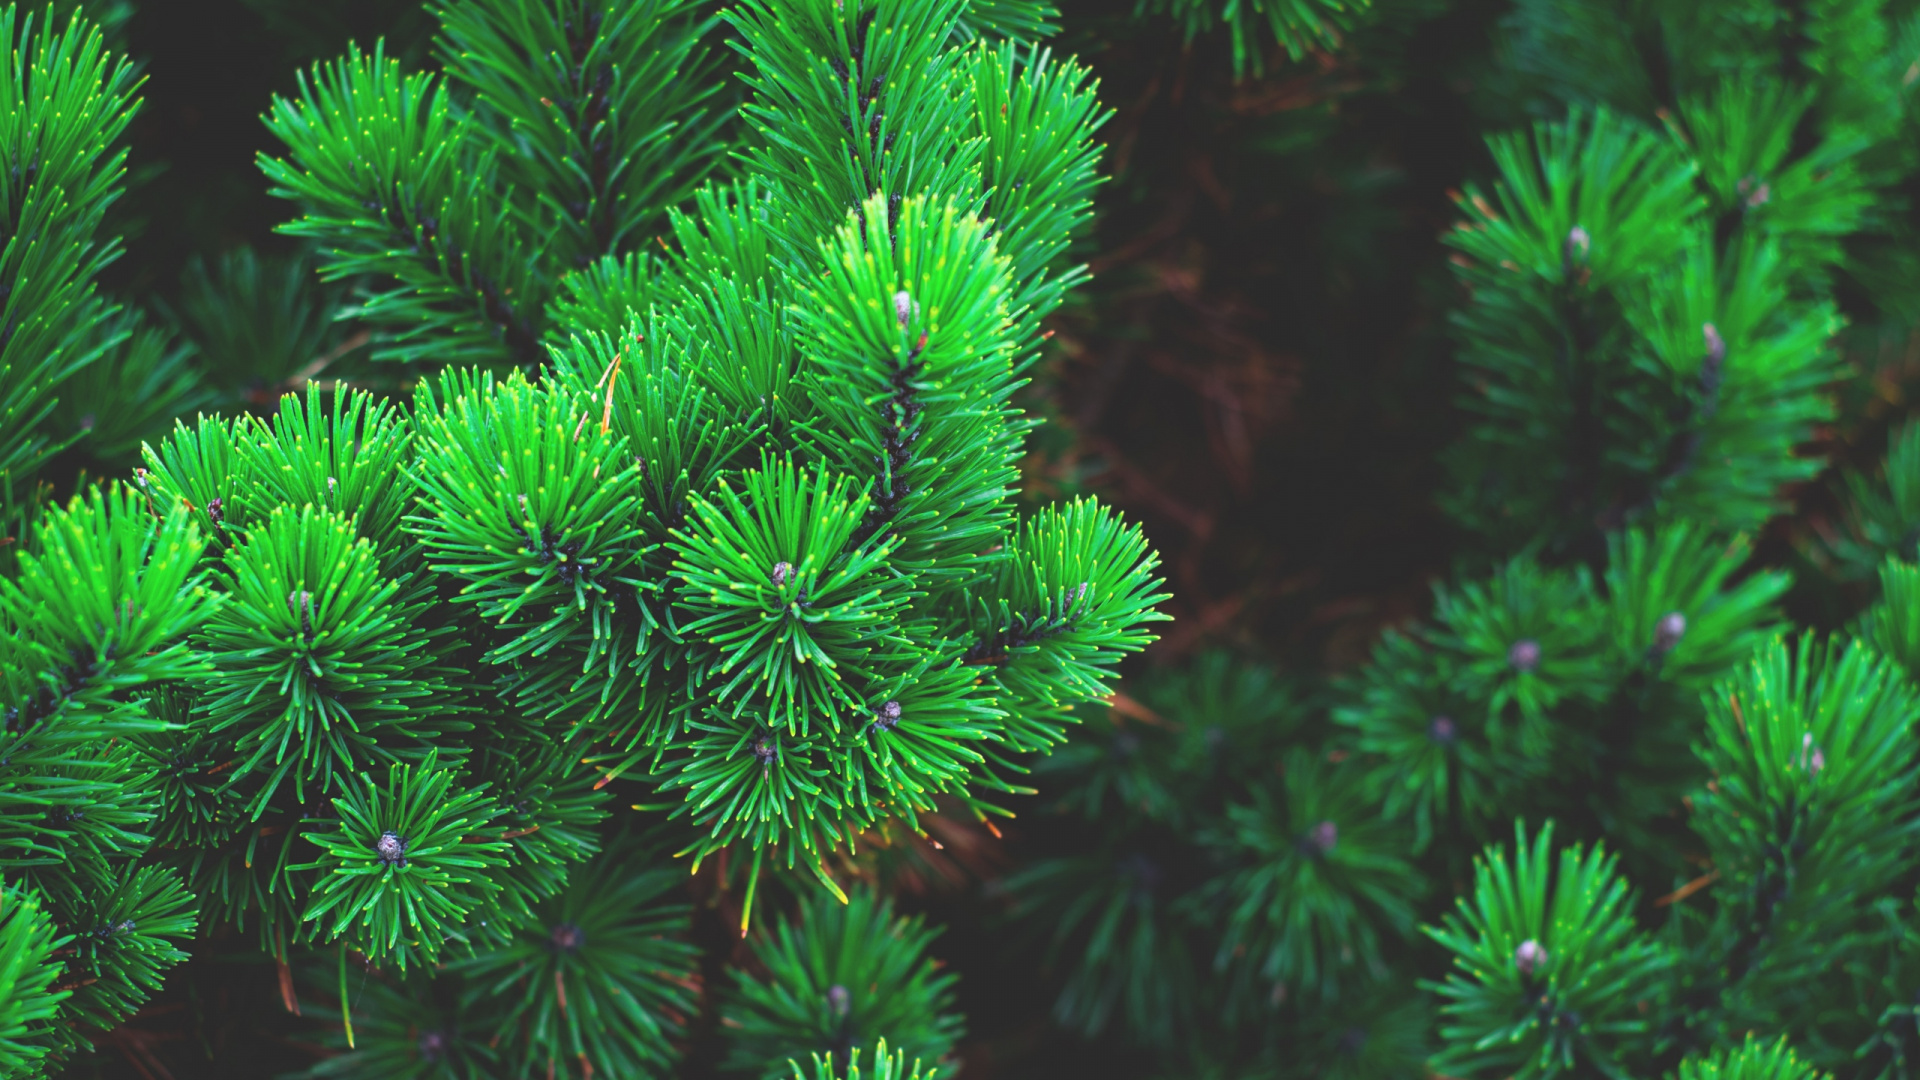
[
  {"x": 391, "y": 848},
  {"x": 433, "y": 1044},
  {"x": 568, "y": 937},
  {"x": 1667, "y": 632},
  {"x": 1524, "y": 657},
  {"x": 1811, "y": 759},
  {"x": 1578, "y": 244},
  {"x": 1529, "y": 957},
  {"x": 300, "y": 602},
  {"x": 1322, "y": 838}
]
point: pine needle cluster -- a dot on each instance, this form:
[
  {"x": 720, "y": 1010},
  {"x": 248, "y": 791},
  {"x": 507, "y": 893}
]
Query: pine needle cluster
[
  {"x": 1603, "y": 810},
  {"x": 698, "y": 489}
]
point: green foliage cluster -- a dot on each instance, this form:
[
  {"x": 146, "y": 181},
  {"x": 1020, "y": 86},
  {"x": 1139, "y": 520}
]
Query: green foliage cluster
[
  {"x": 1255, "y": 26},
  {"x": 883, "y": 1068},
  {"x": 842, "y": 978},
  {"x": 673, "y": 527},
  {"x": 66, "y": 102},
  {"x": 697, "y": 489},
  {"x": 1603, "y": 810}
]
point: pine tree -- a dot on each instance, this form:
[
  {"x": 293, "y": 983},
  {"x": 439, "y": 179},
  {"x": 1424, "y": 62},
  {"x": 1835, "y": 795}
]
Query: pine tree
[
  {"x": 96, "y": 597},
  {"x": 703, "y": 496},
  {"x": 668, "y": 521},
  {"x": 1791, "y": 802},
  {"x": 1603, "y": 811}
]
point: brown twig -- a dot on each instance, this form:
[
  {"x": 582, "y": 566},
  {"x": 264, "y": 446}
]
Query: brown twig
[{"x": 1688, "y": 889}]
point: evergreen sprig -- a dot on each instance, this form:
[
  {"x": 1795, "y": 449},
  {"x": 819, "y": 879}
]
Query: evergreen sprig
[
  {"x": 731, "y": 526},
  {"x": 1549, "y": 969},
  {"x": 842, "y": 977},
  {"x": 1811, "y": 751},
  {"x": 408, "y": 1025},
  {"x": 1315, "y": 880},
  {"x": 884, "y": 1067},
  {"x": 394, "y": 185},
  {"x": 1651, "y": 391},
  {"x": 141, "y": 379},
  {"x": 66, "y": 100},
  {"x": 257, "y": 322},
  {"x": 602, "y": 113},
  {"x": 1752, "y": 1060},
  {"x": 611, "y": 945},
  {"x": 322, "y": 669},
  {"x": 1297, "y": 26},
  {"x": 553, "y": 140},
  {"x": 1882, "y": 514},
  {"x": 102, "y": 609},
  {"x": 28, "y": 1000},
  {"x": 403, "y": 865}
]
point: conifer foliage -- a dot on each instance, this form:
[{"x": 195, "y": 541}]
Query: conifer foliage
[
  {"x": 66, "y": 102},
  {"x": 1602, "y": 811},
  {"x": 681, "y": 530},
  {"x": 705, "y": 497}
]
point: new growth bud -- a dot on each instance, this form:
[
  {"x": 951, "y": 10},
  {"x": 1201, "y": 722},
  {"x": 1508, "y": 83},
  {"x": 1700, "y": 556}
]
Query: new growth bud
[
  {"x": 1442, "y": 730},
  {"x": 300, "y": 602},
  {"x": 782, "y": 573},
  {"x": 1529, "y": 957},
  {"x": 1524, "y": 657},
  {"x": 1578, "y": 244},
  {"x": 1811, "y": 759},
  {"x": 391, "y": 848},
  {"x": 1667, "y": 632},
  {"x": 1710, "y": 369},
  {"x": 567, "y": 937},
  {"x": 904, "y": 308},
  {"x": 888, "y": 716},
  {"x": 1322, "y": 838},
  {"x": 839, "y": 1000},
  {"x": 432, "y": 1045}
]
